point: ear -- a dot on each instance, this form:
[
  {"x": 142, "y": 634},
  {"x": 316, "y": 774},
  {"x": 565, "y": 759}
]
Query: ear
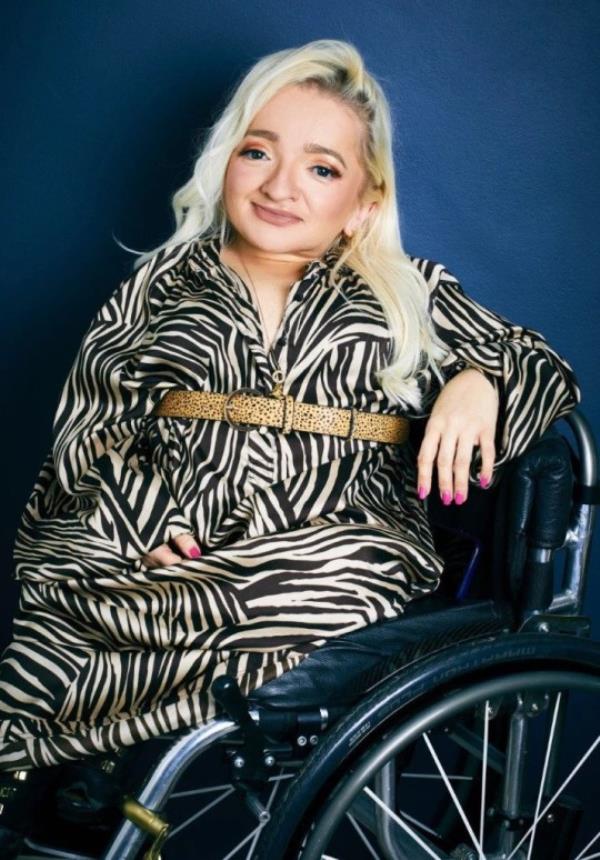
[{"x": 360, "y": 215}]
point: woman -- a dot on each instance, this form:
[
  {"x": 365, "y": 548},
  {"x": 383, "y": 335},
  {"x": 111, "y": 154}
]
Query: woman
[{"x": 163, "y": 543}]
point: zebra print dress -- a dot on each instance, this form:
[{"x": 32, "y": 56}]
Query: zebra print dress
[{"x": 304, "y": 536}]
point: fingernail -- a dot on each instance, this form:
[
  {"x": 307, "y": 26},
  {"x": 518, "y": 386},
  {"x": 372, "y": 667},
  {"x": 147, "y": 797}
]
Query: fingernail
[
  {"x": 194, "y": 552},
  {"x": 422, "y": 492},
  {"x": 483, "y": 481},
  {"x": 459, "y": 498},
  {"x": 446, "y": 497}
]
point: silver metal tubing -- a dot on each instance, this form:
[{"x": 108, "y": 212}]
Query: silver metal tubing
[
  {"x": 586, "y": 444},
  {"x": 577, "y": 542},
  {"x": 385, "y": 788},
  {"x": 129, "y": 838},
  {"x": 513, "y": 775}
]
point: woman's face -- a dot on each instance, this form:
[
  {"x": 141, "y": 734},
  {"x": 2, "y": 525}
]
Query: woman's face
[{"x": 281, "y": 164}]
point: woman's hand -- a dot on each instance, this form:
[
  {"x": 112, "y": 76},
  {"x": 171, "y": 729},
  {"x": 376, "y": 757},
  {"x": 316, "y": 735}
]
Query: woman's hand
[
  {"x": 464, "y": 414},
  {"x": 163, "y": 555}
]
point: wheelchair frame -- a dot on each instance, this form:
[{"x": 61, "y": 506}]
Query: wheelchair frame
[{"x": 141, "y": 821}]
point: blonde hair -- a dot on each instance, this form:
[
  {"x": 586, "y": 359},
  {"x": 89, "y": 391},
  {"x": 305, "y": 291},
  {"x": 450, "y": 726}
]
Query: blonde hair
[{"x": 375, "y": 249}]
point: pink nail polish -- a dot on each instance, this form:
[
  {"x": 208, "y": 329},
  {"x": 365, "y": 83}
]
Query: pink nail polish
[
  {"x": 422, "y": 492},
  {"x": 194, "y": 552},
  {"x": 484, "y": 481},
  {"x": 446, "y": 497},
  {"x": 459, "y": 498}
]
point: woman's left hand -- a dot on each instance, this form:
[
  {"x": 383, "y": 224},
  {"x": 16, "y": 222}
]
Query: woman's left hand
[{"x": 464, "y": 415}]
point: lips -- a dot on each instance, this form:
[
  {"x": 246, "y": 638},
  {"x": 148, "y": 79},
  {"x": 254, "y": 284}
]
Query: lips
[{"x": 272, "y": 216}]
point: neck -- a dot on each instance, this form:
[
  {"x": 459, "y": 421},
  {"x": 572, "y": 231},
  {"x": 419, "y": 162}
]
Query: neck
[{"x": 268, "y": 266}]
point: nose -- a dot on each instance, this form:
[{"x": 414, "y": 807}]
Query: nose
[{"x": 280, "y": 184}]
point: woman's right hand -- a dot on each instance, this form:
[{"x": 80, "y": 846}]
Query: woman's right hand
[{"x": 163, "y": 555}]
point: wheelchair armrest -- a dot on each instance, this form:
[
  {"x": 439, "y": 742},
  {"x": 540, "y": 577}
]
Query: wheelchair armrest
[
  {"x": 535, "y": 503},
  {"x": 541, "y": 492}
]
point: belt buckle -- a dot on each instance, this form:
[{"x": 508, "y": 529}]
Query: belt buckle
[{"x": 238, "y": 425}]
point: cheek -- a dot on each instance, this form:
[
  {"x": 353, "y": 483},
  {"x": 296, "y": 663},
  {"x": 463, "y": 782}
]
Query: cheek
[
  {"x": 240, "y": 176},
  {"x": 335, "y": 203},
  {"x": 233, "y": 184}
]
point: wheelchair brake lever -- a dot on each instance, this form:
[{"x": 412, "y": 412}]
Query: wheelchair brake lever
[{"x": 227, "y": 693}]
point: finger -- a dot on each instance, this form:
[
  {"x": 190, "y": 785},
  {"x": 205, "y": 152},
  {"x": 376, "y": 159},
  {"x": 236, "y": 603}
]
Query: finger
[
  {"x": 445, "y": 466},
  {"x": 488, "y": 456},
  {"x": 462, "y": 463},
  {"x": 188, "y": 545},
  {"x": 162, "y": 556},
  {"x": 425, "y": 458}
]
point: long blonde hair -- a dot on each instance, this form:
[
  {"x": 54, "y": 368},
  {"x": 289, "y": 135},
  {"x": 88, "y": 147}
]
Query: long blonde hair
[{"x": 375, "y": 250}]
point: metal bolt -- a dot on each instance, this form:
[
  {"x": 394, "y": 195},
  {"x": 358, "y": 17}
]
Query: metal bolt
[
  {"x": 269, "y": 760},
  {"x": 313, "y": 740},
  {"x": 550, "y": 818},
  {"x": 535, "y": 707},
  {"x": 301, "y": 741},
  {"x": 238, "y": 761}
]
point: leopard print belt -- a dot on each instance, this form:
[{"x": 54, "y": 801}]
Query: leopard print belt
[{"x": 245, "y": 408}]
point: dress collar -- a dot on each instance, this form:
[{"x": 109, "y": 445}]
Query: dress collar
[{"x": 205, "y": 256}]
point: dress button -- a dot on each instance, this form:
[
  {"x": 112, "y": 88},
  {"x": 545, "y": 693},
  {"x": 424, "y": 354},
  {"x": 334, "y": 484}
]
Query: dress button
[{"x": 262, "y": 430}]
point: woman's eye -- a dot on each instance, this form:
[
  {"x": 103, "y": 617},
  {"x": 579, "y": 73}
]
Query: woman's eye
[
  {"x": 331, "y": 171},
  {"x": 251, "y": 149}
]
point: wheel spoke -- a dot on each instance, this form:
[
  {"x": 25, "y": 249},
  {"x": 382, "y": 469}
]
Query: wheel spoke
[
  {"x": 365, "y": 841},
  {"x": 577, "y": 767},
  {"x": 268, "y": 806},
  {"x": 402, "y": 824},
  {"x": 450, "y": 776},
  {"x": 544, "y": 772},
  {"x": 452, "y": 794},
  {"x": 244, "y": 841},
  {"x": 420, "y": 824},
  {"x": 200, "y": 812},
  {"x": 589, "y": 845},
  {"x": 194, "y": 791}
]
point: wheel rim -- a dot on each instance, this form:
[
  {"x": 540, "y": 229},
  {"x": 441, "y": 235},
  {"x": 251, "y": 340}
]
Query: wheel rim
[{"x": 518, "y": 844}]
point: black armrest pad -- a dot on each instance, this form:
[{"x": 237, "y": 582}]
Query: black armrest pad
[{"x": 540, "y": 491}]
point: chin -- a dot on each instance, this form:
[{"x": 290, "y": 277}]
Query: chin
[{"x": 268, "y": 237}]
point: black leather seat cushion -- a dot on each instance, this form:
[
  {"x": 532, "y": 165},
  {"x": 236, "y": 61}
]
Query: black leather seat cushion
[{"x": 342, "y": 670}]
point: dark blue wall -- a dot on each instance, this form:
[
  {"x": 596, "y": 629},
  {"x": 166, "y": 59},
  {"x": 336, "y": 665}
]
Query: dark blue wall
[{"x": 497, "y": 127}]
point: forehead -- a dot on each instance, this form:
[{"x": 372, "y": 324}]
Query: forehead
[{"x": 302, "y": 115}]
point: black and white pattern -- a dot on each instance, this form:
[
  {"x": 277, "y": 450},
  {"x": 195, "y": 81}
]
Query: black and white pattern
[{"x": 304, "y": 536}]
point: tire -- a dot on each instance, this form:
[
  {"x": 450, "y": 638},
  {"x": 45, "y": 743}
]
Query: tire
[{"x": 425, "y": 691}]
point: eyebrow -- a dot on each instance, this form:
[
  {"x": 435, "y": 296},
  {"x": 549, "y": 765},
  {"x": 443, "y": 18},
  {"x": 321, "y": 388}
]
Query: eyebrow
[{"x": 308, "y": 147}]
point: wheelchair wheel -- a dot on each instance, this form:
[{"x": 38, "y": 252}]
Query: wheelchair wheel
[{"x": 483, "y": 751}]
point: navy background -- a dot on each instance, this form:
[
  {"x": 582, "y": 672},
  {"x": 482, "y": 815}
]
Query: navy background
[{"x": 497, "y": 124}]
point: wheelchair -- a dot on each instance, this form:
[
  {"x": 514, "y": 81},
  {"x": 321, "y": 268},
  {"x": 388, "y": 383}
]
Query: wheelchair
[{"x": 467, "y": 728}]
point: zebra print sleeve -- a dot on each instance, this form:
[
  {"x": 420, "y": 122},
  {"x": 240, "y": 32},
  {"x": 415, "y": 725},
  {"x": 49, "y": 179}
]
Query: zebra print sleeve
[
  {"x": 102, "y": 410},
  {"x": 535, "y": 384}
]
